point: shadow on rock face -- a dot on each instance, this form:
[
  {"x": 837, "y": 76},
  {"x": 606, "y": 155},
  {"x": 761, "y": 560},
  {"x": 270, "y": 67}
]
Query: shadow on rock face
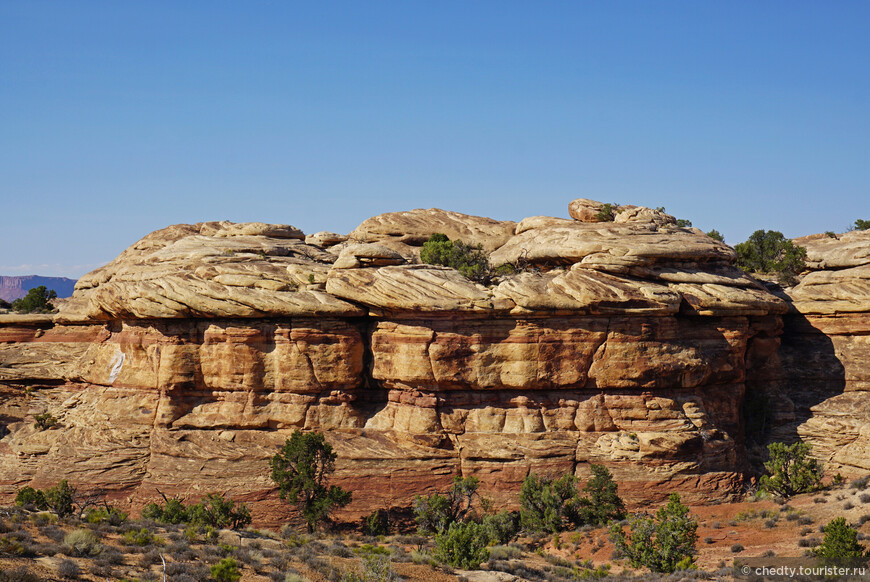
[{"x": 803, "y": 395}]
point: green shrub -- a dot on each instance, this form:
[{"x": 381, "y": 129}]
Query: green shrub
[
  {"x": 602, "y": 505},
  {"x": 30, "y": 496},
  {"x": 549, "y": 505},
  {"x": 61, "y": 498},
  {"x": 227, "y": 570},
  {"x": 607, "y": 212},
  {"x": 663, "y": 544},
  {"x": 108, "y": 514},
  {"x": 217, "y": 511},
  {"x": 214, "y": 510},
  {"x": 768, "y": 251},
  {"x": 840, "y": 541},
  {"x": 44, "y": 421},
  {"x": 716, "y": 235},
  {"x": 377, "y": 523},
  {"x": 501, "y": 527},
  {"x": 301, "y": 469},
  {"x": 37, "y": 300},
  {"x": 552, "y": 506},
  {"x": 141, "y": 537},
  {"x": 462, "y": 545},
  {"x": 791, "y": 470},
  {"x": 81, "y": 542},
  {"x": 471, "y": 261},
  {"x": 684, "y": 223},
  {"x": 862, "y": 224},
  {"x": 436, "y": 512},
  {"x": 173, "y": 511}
]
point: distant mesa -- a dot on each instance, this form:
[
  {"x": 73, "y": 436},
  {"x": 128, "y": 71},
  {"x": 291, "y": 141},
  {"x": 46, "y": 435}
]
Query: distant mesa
[{"x": 12, "y": 288}]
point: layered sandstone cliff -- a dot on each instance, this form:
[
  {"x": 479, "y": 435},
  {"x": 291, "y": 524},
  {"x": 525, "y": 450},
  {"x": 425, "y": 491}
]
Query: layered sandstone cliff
[
  {"x": 183, "y": 364},
  {"x": 817, "y": 386}
]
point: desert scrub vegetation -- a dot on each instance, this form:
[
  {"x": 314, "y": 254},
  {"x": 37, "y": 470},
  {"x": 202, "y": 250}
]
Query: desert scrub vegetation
[
  {"x": 555, "y": 505},
  {"x": 791, "y": 470},
  {"x": 770, "y": 252},
  {"x": 663, "y": 544},
  {"x": 840, "y": 541},
  {"x": 462, "y": 545},
  {"x": 301, "y": 471},
  {"x": 214, "y": 511},
  {"x": 37, "y": 300},
  {"x": 81, "y": 542},
  {"x": 434, "y": 513},
  {"x": 469, "y": 260},
  {"x": 44, "y": 421},
  {"x": 375, "y": 568},
  {"x": 61, "y": 499},
  {"x": 377, "y": 523},
  {"x": 607, "y": 212}
]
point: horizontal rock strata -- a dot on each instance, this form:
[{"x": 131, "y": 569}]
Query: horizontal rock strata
[
  {"x": 183, "y": 364},
  {"x": 818, "y": 389}
]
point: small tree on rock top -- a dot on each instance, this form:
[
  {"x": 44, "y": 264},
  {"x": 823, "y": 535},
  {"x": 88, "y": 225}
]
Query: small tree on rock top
[
  {"x": 301, "y": 470},
  {"x": 768, "y": 251},
  {"x": 716, "y": 235},
  {"x": 469, "y": 260}
]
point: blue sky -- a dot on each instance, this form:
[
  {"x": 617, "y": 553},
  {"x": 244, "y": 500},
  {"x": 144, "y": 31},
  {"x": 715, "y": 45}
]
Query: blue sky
[{"x": 119, "y": 118}]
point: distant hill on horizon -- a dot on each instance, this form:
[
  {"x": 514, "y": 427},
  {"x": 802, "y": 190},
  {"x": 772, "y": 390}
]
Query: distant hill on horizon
[{"x": 15, "y": 287}]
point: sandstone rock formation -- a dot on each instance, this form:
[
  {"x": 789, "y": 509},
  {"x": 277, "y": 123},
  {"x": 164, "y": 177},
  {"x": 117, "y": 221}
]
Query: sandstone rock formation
[
  {"x": 817, "y": 388},
  {"x": 183, "y": 364}
]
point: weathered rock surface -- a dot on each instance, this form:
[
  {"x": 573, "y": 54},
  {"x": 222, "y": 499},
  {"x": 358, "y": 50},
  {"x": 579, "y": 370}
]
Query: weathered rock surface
[
  {"x": 212, "y": 269},
  {"x": 414, "y": 227},
  {"x": 184, "y": 363},
  {"x": 816, "y": 389}
]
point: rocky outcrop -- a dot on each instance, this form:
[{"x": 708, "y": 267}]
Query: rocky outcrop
[
  {"x": 183, "y": 364},
  {"x": 407, "y": 231},
  {"x": 817, "y": 387}
]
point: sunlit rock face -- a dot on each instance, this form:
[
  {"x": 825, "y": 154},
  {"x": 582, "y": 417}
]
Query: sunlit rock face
[
  {"x": 817, "y": 387},
  {"x": 184, "y": 363}
]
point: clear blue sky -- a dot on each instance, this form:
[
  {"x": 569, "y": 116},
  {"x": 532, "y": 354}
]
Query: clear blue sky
[{"x": 119, "y": 118}]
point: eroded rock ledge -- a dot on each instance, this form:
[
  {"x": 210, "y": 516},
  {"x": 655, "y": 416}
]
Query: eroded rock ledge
[
  {"x": 816, "y": 387},
  {"x": 185, "y": 362}
]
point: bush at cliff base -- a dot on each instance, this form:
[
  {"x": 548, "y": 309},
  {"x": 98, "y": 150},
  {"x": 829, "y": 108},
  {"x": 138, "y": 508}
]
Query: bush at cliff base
[
  {"x": 463, "y": 545},
  {"x": 663, "y": 544},
  {"x": 791, "y": 470},
  {"x": 841, "y": 541}
]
